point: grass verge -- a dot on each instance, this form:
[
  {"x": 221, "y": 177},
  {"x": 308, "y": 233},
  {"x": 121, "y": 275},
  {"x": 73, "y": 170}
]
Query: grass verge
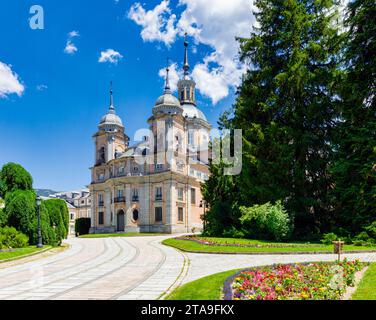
[
  {"x": 367, "y": 287},
  {"x": 207, "y": 288},
  {"x": 262, "y": 246},
  {"x": 21, "y": 252}
]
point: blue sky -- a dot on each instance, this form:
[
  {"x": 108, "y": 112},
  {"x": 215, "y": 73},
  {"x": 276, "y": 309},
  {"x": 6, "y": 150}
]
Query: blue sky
[{"x": 48, "y": 125}]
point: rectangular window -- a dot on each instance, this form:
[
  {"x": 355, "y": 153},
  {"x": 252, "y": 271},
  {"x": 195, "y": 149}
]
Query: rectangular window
[
  {"x": 100, "y": 200},
  {"x": 158, "y": 214},
  {"x": 101, "y": 218},
  {"x": 135, "y": 195},
  {"x": 158, "y": 193},
  {"x": 180, "y": 194},
  {"x": 190, "y": 138},
  {"x": 119, "y": 198},
  {"x": 180, "y": 215},
  {"x": 193, "y": 196},
  {"x": 159, "y": 167}
]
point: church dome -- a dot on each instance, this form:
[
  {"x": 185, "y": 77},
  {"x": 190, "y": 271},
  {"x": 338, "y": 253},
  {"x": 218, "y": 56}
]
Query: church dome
[
  {"x": 167, "y": 99},
  {"x": 190, "y": 111},
  {"x": 111, "y": 119}
]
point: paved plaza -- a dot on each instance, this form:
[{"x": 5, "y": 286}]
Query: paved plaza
[{"x": 125, "y": 269}]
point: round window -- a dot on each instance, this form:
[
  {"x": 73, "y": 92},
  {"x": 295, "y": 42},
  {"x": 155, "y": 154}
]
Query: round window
[{"x": 135, "y": 215}]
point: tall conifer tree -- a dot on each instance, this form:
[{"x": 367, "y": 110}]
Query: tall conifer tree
[
  {"x": 287, "y": 106},
  {"x": 355, "y": 168}
]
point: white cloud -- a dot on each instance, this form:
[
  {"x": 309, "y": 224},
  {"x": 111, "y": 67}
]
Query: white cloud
[
  {"x": 174, "y": 75},
  {"x": 214, "y": 24},
  {"x": 217, "y": 26},
  {"x": 110, "y": 55},
  {"x": 157, "y": 24},
  {"x": 9, "y": 82},
  {"x": 70, "y": 47},
  {"x": 73, "y": 34},
  {"x": 42, "y": 87},
  {"x": 213, "y": 82}
]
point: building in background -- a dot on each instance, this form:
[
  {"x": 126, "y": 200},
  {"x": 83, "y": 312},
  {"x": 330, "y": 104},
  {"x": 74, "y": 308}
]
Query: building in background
[
  {"x": 158, "y": 196},
  {"x": 78, "y": 203}
]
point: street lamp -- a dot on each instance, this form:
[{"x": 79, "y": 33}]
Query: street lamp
[
  {"x": 40, "y": 243},
  {"x": 203, "y": 204}
]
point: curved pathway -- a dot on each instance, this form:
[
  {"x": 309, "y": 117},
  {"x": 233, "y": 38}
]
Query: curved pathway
[
  {"x": 125, "y": 268},
  {"x": 107, "y": 268}
]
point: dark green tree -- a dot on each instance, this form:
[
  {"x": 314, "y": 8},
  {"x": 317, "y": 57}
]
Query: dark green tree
[
  {"x": 14, "y": 177},
  {"x": 355, "y": 166},
  {"x": 287, "y": 106},
  {"x": 3, "y": 219},
  {"x": 218, "y": 192}
]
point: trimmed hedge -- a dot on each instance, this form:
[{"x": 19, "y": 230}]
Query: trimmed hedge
[
  {"x": 21, "y": 213},
  {"x": 59, "y": 218},
  {"x": 82, "y": 226}
]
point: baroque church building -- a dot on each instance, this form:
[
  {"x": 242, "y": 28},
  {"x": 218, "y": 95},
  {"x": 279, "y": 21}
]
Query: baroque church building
[{"x": 153, "y": 186}]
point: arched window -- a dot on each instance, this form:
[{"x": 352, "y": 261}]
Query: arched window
[
  {"x": 101, "y": 155},
  {"x": 135, "y": 214}
]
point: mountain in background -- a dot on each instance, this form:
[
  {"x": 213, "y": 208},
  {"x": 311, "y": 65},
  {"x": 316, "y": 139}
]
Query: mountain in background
[{"x": 45, "y": 192}]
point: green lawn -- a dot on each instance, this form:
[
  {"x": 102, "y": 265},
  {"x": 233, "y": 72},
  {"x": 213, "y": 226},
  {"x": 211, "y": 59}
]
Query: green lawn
[
  {"x": 367, "y": 286},
  {"x": 126, "y": 234},
  {"x": 208, "y": 288},
  {"x": 263, "y": 246},
  {"x": 19, "y": 252}
]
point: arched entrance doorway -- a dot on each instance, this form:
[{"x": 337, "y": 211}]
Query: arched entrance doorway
[{"x": 121, "y": 221}]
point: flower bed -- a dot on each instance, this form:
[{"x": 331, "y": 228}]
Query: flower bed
[
  {"x": 313, "y": 281},
  {"x": 212, "y": 242}
]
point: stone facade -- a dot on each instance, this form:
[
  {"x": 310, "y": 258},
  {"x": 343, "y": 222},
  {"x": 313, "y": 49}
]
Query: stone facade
[{"x": 153, "y": 186}]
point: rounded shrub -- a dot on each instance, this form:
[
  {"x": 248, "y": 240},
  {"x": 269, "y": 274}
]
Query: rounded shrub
[
  {"x": 11, "y": 238},
  {"x": 267, "y": 221},
  {"x": 328, "y": 238}
]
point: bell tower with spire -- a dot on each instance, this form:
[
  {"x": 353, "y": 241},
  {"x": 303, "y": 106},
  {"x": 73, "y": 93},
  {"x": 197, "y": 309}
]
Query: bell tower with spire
[
  {"x": 110, "y": 138},
  {"x": 186, "y": 86}
]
